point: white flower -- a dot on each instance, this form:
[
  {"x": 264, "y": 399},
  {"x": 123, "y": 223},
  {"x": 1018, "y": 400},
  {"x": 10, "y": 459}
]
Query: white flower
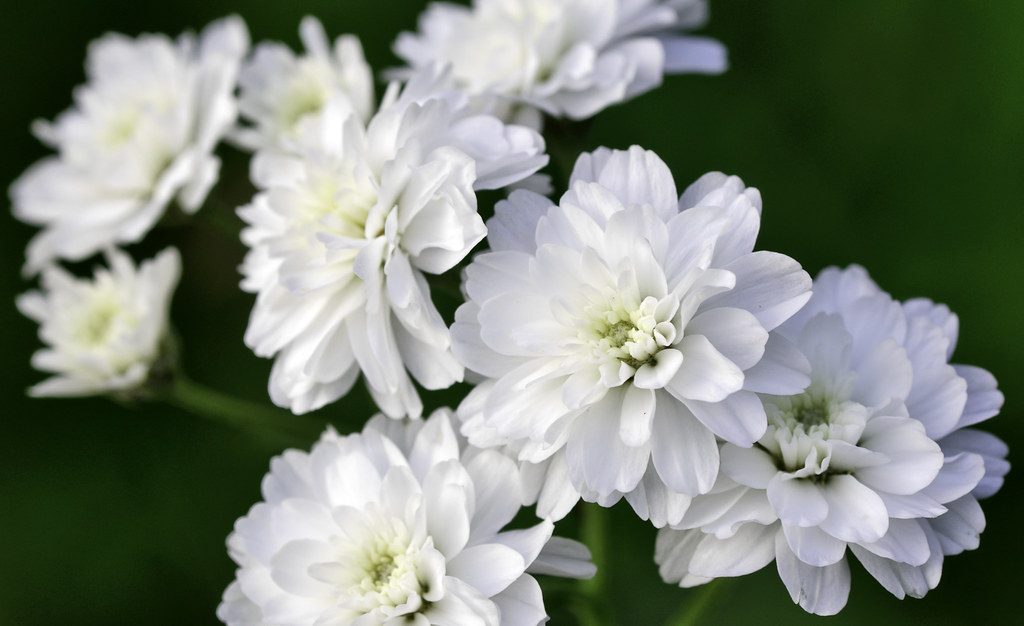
[
  {"x": 568, "y": 58},
  {"x": 103, "y": 335},
  {"x": 392, "y": 526},
  {"x": 624, "y": 329},
  {"x": 872, "y": 456},
  {"x": 279, "y": 91},
  {"x": 141, "y": 134},
  {"x": 345, "y": 228}
]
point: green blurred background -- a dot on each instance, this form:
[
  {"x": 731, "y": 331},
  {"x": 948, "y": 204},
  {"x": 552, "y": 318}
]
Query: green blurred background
[{"x": 880, "y": 133}]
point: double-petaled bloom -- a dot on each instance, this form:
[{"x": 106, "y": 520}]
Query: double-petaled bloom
[
  {"x": 279, "y": 91},
  {"x": 875, "y": 456},
  {"x": 566, "y": 58},
  {"x": 393, "y": 525},
  {"x": 345, "y": 227},
  {"x": 141, "y": 134},
  {"x": 103, "y": 335},
  {"x": 622, "y": 331}
]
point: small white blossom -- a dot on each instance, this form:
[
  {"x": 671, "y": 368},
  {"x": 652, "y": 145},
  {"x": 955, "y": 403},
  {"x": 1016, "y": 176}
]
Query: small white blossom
[
  {"x": 141, "y": 134},
  {"x": 392, "y": 525},
  {"x": 623, "y": 329},
  {"x": 279, "y": 90},
  {"x": 873, "y": 456},
  {"x": 344, "y": 229},
  {"x": 106, "y": 334},
  {"x": 568, "y": 58}
]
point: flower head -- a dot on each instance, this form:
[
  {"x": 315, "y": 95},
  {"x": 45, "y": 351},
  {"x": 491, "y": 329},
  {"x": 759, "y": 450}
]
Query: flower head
[
  {"x": 279, "y": 91},
  {"x": 568, "y": 58},
  {"x": 872, "y": 456},
  {"x": 345, "y": 227},
  {"x": 392, "y": 524},
  {"x": 624, "y": 329},
  {"x": 141, "y": 134},
  {"x": 106, "y": 334}
]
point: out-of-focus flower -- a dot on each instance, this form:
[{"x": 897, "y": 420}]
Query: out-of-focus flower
[
  {"x": 873, "y": 456},
  {"x": 393, "y": 525},
  {"x": 567, "y": 58},
  {"x": 141, "y": 134},
  {"x": 625, "y": 328},
  {"x": 103, "y": 335},
  {"x": 346, "y": 226},
  {"x": 279, "y": 90}
]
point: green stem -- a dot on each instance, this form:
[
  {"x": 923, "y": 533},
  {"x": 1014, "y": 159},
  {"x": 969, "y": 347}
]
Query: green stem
[
  {"x": 249, "y": 416},
  {"x": 696, "y": 604},
  {"x": 591, "y": 607},
  {"x": 592, "y": 534}
]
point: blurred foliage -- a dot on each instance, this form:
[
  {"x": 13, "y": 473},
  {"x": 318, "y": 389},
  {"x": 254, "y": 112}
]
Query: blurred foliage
[{"x": 879, "y": 133}]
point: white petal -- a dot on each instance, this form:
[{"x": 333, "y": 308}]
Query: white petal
[
  {"x": 694, "y": 54},
  {"x": 564, "y": 557},
  {"x": 461, "y": 604},
  {"x": 783, "y": 371},
  {"x": 447, "y": 499},
  {"x": 812, "y": 546},
  {"x": 496, "y": 488},
  {"x": 818, "y": 590},
  {"x": 528, "y": 542},
  {"x": 638, "y": 407},
  {"x": 683, "y": 451},
  {"x": 514, "y": 225},
  {"x": 983, "y": 399},
  {"x": 705, "y": 373},
  {"x": 902, "y": 579},
  {"x": 855, "y": 512},
  {"x": 750, "y": 549},
  {"x": 915, "y": 459},
  {"x": 488, "y": 567},
  {"x": 597, "y": 457},
  {"x": 905, "y": 542},
  {"x": 735, "y": 333},
  {"x": 961, "y": 527},
  {"x": 796, "y": 501},
  {"x": 521, "y": 603},
  {"x": 738, "y": 419},
  {"x": 772, "y": 286}
]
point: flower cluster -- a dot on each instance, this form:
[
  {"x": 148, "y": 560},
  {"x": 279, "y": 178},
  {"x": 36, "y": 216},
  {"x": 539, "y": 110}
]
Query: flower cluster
[{"x": 625, "y": 342}]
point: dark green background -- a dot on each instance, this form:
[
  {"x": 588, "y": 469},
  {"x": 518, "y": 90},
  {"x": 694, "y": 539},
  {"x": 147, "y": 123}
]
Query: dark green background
[{"x": 880, "y": 133}]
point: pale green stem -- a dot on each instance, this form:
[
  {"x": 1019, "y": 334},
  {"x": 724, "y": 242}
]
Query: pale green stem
[
  {"x": 249, "y": 416},
  {"x": 592, "y": 609},
  {"x": 697, "y": 603}
]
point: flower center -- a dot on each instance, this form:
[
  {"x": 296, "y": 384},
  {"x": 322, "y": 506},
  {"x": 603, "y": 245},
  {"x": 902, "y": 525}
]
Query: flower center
[
  {"x": 383, "y": 564},
  {"x": 632, "y": 335},
  {"x": 801, "y": 427},
  {"x": 121, "y": 128},
  {"x": 378, "y": 568},
  {"x": 619, "y": 333},
  {"x": 307, "y": 94},
  {"x": 807, "y": 411},
  {"x": 95, "y": 324},
  {"x": 336, "y": 201}
]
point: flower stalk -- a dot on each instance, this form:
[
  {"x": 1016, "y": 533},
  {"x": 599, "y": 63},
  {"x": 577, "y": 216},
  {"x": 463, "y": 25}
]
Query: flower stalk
[{"x": 242, "y": 414}]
